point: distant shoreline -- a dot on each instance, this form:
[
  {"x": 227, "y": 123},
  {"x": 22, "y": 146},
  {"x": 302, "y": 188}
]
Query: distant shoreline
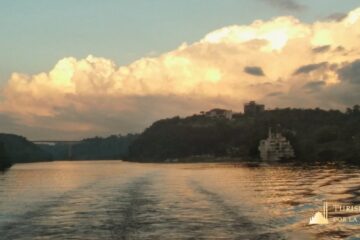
[
  {"x": 250, "y": 162},
  {"x": 229, "y": 161}
]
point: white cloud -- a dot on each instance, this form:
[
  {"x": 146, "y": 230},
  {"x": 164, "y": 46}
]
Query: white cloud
[{"x": 94, "y": 95}]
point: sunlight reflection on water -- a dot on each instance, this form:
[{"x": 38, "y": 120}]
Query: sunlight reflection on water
[{"x": 119, "y": 200}]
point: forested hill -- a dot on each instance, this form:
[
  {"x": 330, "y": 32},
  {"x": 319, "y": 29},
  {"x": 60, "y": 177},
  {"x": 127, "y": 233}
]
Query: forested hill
[
  {"x": 317, "y": 135},
  {"x": 114, "y": 147},
  {"x": 17, "y": 149}
]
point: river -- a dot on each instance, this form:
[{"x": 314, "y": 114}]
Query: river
[{"x": 119, "y": 200}]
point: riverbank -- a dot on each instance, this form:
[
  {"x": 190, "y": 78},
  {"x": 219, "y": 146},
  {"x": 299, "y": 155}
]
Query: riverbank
[
  {"x": 5, "y": 167},
  {"x": 249, "y": 162}
]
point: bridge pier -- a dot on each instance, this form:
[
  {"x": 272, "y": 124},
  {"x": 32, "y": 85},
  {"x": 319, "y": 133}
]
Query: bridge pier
[{"x": 70, "y": 151}]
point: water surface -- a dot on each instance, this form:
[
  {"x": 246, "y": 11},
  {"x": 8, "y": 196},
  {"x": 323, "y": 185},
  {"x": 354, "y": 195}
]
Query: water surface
[{"x": 119, "y": 200}]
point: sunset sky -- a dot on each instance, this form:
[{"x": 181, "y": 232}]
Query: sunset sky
[{"x": 75, "y": 69}]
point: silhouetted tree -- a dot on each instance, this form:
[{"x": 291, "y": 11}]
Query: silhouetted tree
[
  {"x": 4, "y": 160},
  {"x": 19, "y": 150}
]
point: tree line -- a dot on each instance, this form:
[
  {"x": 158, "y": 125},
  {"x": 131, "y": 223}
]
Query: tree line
[
  {"x": 316, "y": 135},
  {"x": 4, "y": 160},
  {"x": 114, "y": 147}
]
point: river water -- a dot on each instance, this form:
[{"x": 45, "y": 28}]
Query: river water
[{"x": 119, "y": 200}]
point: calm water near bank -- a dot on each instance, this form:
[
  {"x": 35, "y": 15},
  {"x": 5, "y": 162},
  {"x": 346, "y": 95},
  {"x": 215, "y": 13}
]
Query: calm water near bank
[{"x": 119, "y": 200}]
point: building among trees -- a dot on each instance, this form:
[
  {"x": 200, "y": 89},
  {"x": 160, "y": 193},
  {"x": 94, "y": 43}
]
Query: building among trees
[
  {"x": 276, "y": 147},
  {"x": 220, "y": 113},
  {"x": 252, "y": 108}
]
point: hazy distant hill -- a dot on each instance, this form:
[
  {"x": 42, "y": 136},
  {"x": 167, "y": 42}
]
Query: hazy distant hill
[
  {"x": 97, "y": 148},
  {"x": 20, "y": 150},
  {"x": 317, "y": 135}
]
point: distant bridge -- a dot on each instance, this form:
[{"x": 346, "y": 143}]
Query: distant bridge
[
  {"x": 54, "y": 141},
  {"x": 70, "y": 144}
]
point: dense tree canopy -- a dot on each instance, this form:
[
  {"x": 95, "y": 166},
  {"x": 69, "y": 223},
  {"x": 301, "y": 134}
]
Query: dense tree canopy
[
  {"x": 4, "y": 160},
  {"x": 19, "y": 150},
  {"x": 317, "y": 135},
  {"x": 97, "y": 148}
]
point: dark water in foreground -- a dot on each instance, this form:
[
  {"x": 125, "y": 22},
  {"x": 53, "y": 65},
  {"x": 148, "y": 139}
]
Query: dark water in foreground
[{"x": 116, "y": 200}]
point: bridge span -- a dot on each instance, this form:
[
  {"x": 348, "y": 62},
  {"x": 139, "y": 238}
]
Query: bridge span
[
  {"x": 69, "y": 143},
  {"x": 54, "y": 141}
]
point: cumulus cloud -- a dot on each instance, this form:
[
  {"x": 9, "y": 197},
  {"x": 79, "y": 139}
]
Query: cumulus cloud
[{"x": 83, "y": 97}]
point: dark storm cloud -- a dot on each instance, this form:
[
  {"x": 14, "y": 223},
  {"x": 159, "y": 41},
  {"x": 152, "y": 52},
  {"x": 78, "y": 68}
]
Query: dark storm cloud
[
  {"x": 344, "y": 93},
  {"x": 314, "y": 86},
  {"x": 309, "y": 68},
  {"x": 289, "y": 5},
  {"x": 254, "y": 70},
  {"x": 336, "y": 17},
  {"x": 321, "y": 49},
  {"x": 351, "y": 72}
]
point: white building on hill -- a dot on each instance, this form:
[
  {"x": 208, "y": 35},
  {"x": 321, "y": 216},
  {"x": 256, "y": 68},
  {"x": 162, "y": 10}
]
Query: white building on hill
[
  {"x": 220, "y": 113},
  {"x": 276, "y": 147}
]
